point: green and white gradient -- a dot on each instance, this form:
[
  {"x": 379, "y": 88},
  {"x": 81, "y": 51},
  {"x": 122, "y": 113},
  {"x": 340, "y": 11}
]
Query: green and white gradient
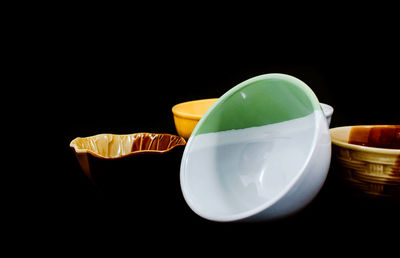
[{"x": 251, "y": 146}]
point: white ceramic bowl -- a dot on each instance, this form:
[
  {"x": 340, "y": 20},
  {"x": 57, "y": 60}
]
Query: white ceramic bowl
[
  {"x": 261, "y": 152},
  {"x": 328, "y": 111}
]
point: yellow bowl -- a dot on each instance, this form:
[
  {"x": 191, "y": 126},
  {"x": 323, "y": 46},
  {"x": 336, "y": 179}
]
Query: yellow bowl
[
  {"x": 368, "y": 158},
  {"x": 188, "y": 114}
]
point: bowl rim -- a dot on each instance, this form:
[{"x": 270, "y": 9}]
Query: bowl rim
[
  {"x": 327, "y": 109},
  {"x": 77, "y": 150},
  {"x": 318, "y": 121},
  {"x": 188, "y": 115},
  {"x": 360, "y": 147}
]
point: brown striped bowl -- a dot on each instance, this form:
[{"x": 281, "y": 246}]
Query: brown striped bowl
[
  {"x": 139, "y": 164},
  {"x": 368, "y": 158}
]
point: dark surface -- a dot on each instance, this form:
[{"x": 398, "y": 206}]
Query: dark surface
[
  {"x": 358, "y": 96},
  {"x": 125, "y": 79}
]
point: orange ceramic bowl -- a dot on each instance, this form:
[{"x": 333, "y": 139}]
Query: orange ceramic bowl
[{"x": 188, "y": 114}]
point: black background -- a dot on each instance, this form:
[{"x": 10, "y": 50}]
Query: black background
[{"x": 122, "y": 74}]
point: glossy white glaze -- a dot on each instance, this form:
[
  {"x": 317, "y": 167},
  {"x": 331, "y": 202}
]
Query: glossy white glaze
[
  {"x": 328, "y": 111},
  {"x": 256, "y": 173}
]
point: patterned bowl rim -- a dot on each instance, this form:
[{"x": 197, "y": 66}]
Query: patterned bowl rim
[{"x": 360, "y": 147}]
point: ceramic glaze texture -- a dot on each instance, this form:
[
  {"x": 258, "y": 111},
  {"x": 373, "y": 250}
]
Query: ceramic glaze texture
[
  {"x": 188, "y": 114},
  {"x": 91, "y": 150},
  {"x": 369, "y": 158},
  {"x": 328, "y": 112},
  {"x": 254, "y": 151},
  {"x": 118, "y": 146},
  {"x": 259, "y": 103}
]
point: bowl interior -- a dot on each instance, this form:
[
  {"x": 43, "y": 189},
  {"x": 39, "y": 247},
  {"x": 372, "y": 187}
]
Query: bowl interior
[
  {"x": 117, "y": 146},
  {"x": 376, "y": 136},
  {"x": 250, "y": 146}
]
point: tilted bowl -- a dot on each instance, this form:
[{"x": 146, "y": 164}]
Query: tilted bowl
[{"x": 261, "y": 152}]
